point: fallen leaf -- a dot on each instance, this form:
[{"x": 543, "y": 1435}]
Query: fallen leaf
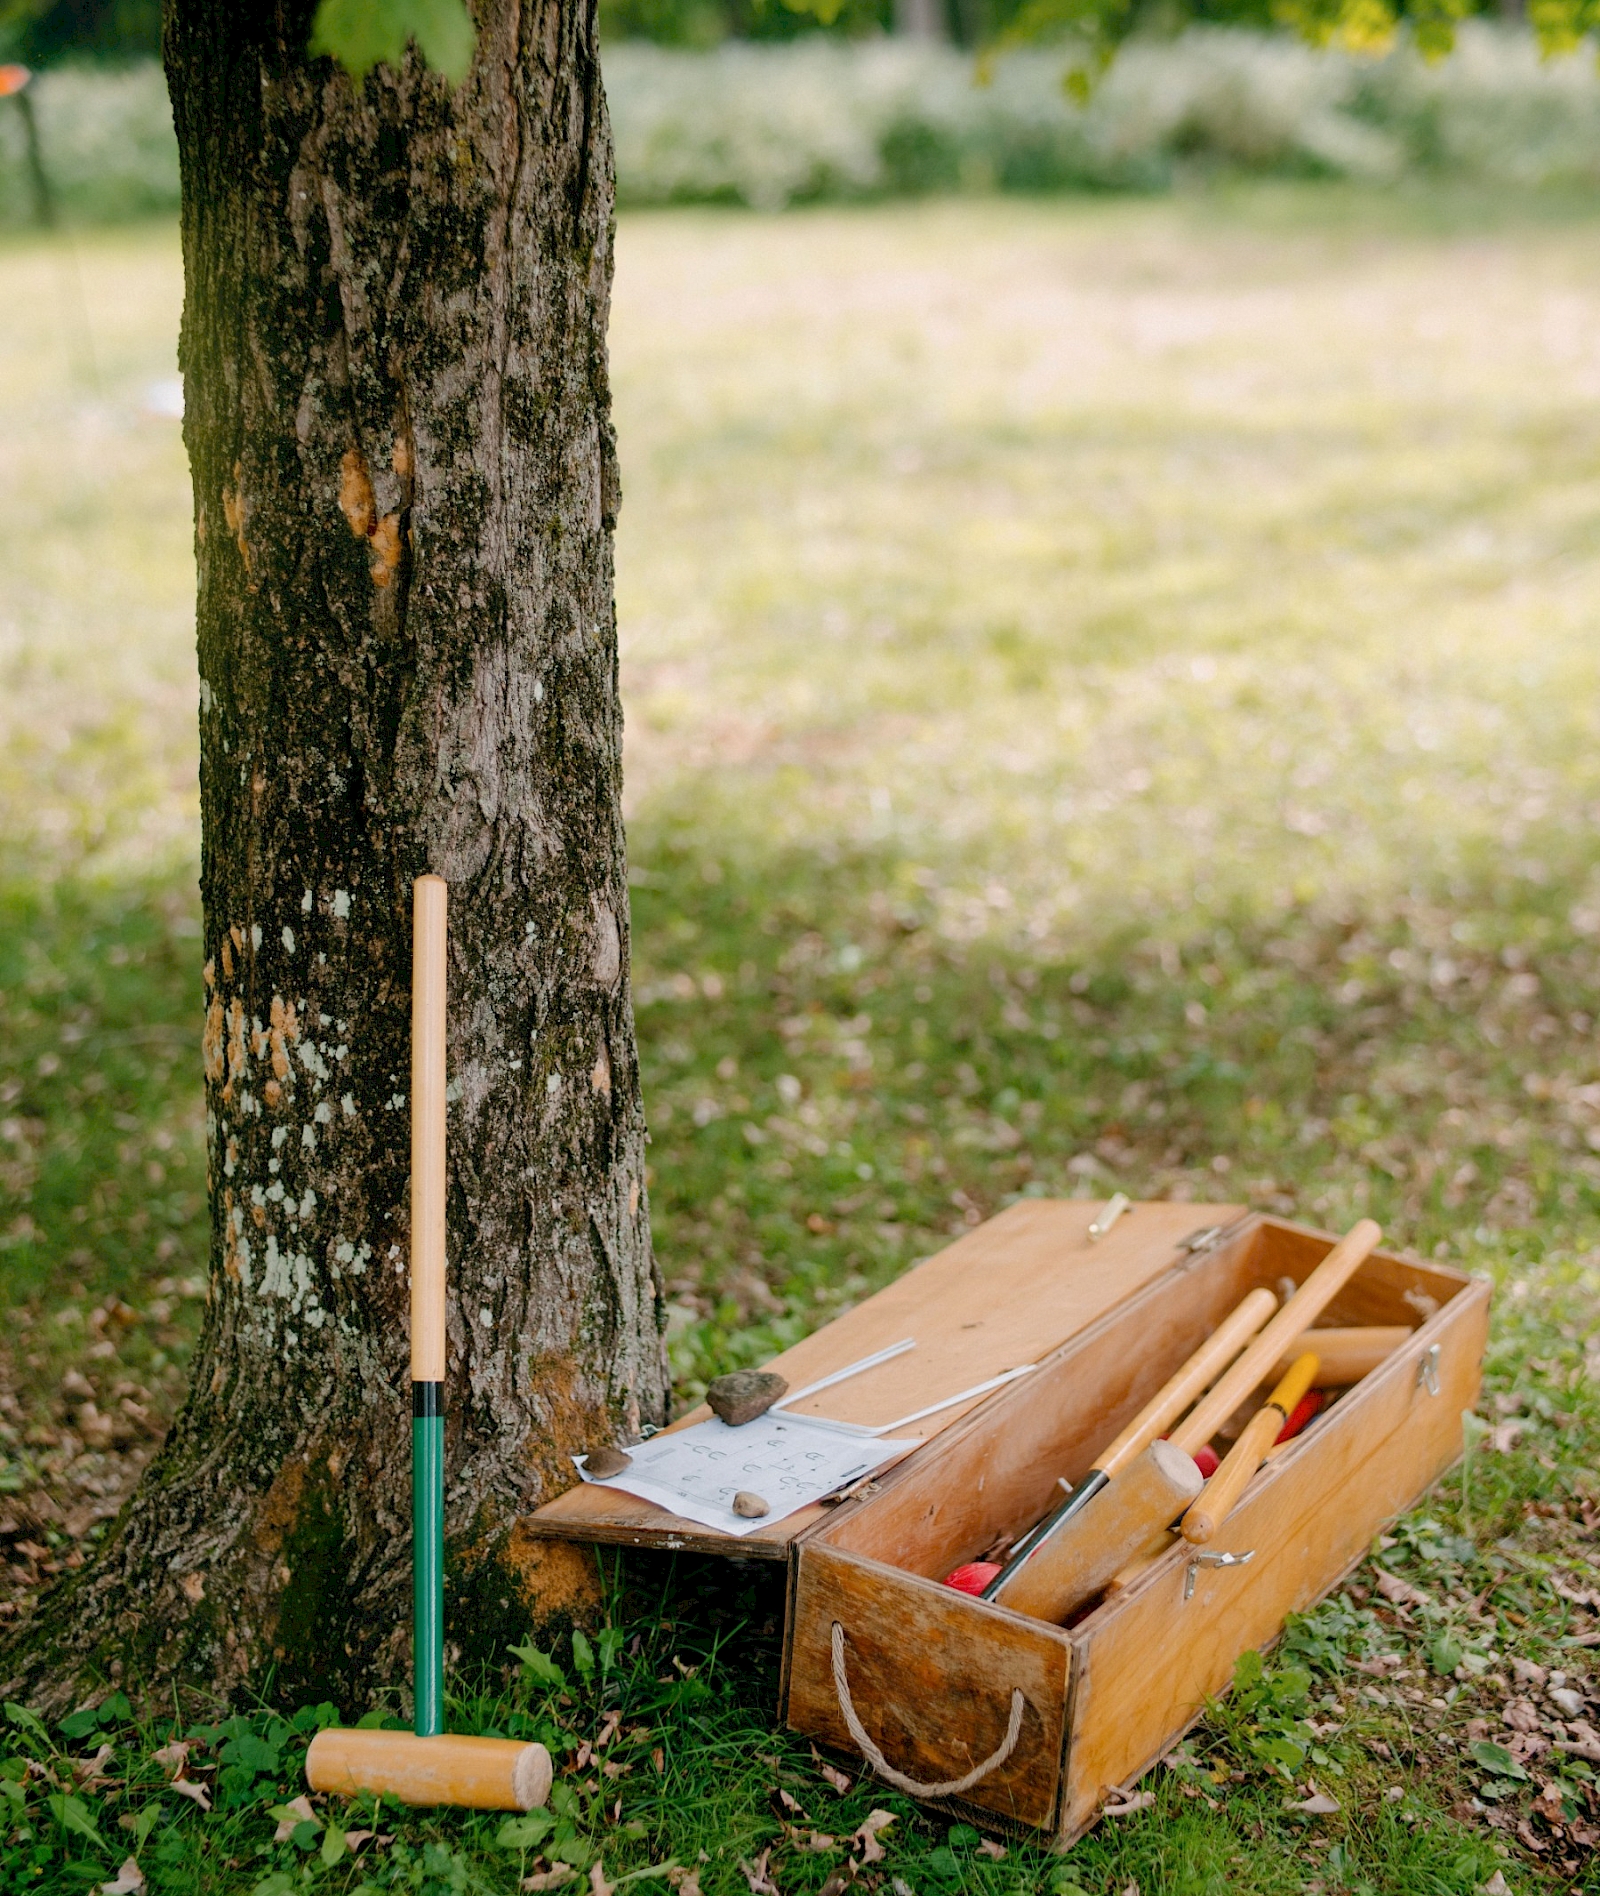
[
  {"x": 1131, "y": 1890},
  {"x": 1536, "y": 1843},
  {"x": 1520, "y": 1715},
  {"x": 819, "y": 1840},
  {"x": 786, "y": 1803},
  {"x": 755, "y": 1874},
  {"x": 1138, "y": 1800},
  {"x": 196, "y": 1792},
  {"x": 92, "y": 1771},
  {"x": 867, "y": 1835},
  {"x": 608, "y": 1730},
  {"x": 1399, "y": 1592},
  {"x": 297, "y": 1811},
  {"x": 836, "y": 1884},
  {"x": 355, "y": 1838},
  {"x": 658, "y": 1759},
  {"x": 1318, "y": 1804},
  {"x": 1550, "y": 1806},
  {"x": 685, "y": 1882},
  {"x": 840, "y": 1782},
  {"x": 1497, "y": 1885},
  {"x": 175, "y": 1756},
  {"x": 987, "y": 1846},
  {"x": 1505, "y": 1438},
  {"x": 550, "y": 1879},
  {"x": 598, "y": 1886},
  {"x": 1529, "y": 1672},
  {"x": 127, "y": 1882}
]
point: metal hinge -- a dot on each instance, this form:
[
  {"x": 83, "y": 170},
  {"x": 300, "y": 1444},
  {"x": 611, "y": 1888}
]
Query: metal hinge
[
  {"x": 1428, "y": 1370},
  {"x": 1209, "y": 1237},
  {"x": 1211, "y": 1560}
]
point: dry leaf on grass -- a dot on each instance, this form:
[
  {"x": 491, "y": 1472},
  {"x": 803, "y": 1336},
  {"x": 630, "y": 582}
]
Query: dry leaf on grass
[
  {"x": 685, "y": 1882},
  {"x": 989, "y": 1847},
  {"x": 755, "y": 1874},
  {"x": 128, "y": 1881},
  {"x": 197, "y": 1793},
  {"x": 297, "y": 1811},
  {"x": 174, "y": 1756},
  {"x": 838, "y": 1779},
  {"x": 91, "y": 1772},
  {"x": 550, "y": 1879},
  {"x": 1549, "y": 1805},
  {"x": 819, "y": 1840},
  {"x": 598, "y": 1886},
  {"x": 867, "y": 1835},
  {"x": 1399, "y": 1592},
  {"x": 1318, "y": 1804},
  {"x": 1496, "y": 1885}
]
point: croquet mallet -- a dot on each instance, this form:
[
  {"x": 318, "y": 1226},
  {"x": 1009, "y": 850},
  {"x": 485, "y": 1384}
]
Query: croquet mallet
[{"x": 429, "y": 1765}]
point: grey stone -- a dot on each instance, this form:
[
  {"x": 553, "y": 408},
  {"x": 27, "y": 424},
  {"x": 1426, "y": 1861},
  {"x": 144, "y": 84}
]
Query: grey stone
[{"x": 744, "y": 1394}]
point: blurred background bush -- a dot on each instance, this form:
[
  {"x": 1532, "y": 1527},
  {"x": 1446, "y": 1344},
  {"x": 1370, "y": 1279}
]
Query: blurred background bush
[{"x": 733, "y": 101}]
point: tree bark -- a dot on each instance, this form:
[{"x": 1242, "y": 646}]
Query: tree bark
[{"x": 397, "y": 415}]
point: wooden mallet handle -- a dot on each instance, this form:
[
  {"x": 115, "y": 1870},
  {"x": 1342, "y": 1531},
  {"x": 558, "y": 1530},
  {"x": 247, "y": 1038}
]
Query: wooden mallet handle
[
  {"x": 1345, "y": 1356},
  {"x": 1209, "y": 1361},
  {"x": 1298, "y": 1314},
  {"x": 1223, "y": 1490},
  {"x": 428, "y": 950}
]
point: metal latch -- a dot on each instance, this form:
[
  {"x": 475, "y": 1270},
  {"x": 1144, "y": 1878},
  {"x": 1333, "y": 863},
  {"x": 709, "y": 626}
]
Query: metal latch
[
  {"x": 1428, "y": 1370},
  {"x": 1199, "y": 1243},
  {"x": 1211, "y": 1560}
]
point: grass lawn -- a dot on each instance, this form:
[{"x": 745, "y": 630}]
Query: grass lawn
[{"x": 1113, "y": 702}]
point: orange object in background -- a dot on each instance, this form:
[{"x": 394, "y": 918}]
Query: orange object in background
[{"x": 13, "y": 79}]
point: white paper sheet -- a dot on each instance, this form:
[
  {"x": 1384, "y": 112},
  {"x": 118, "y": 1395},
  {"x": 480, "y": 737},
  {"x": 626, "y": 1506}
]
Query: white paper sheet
[{"x": 789, "y": 1460}]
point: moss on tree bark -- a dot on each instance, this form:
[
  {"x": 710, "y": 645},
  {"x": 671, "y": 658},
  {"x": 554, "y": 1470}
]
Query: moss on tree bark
[{"x": 397, "y": 414}]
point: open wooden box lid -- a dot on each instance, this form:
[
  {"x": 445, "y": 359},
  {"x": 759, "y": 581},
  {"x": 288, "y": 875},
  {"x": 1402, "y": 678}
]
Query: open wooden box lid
[{"x": 1006, "y": 1293}]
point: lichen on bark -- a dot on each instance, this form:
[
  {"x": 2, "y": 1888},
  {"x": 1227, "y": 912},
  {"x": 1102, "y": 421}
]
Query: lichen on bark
[{"x": 397, "y": 415}]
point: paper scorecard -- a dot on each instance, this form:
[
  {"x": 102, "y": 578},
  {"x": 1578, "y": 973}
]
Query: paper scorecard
[{"x": 789, "y": 1460}]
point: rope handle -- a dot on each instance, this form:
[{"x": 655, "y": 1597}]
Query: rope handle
[{"x": 953, "y": 1787}]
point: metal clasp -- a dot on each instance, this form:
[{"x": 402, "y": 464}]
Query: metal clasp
[
  {"x": 1115, "y": 1206},
  {"x": 1428, "y": 1370},
  {"x": 1211, "y": 1560}
]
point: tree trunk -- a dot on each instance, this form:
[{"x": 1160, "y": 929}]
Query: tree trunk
[{"x": 397, "y": 414}]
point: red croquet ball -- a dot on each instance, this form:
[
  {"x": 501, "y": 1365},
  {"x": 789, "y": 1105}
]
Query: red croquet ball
[
  {"x": 1205, "y": 1459},
  {"x": 973, "y": 1577}
]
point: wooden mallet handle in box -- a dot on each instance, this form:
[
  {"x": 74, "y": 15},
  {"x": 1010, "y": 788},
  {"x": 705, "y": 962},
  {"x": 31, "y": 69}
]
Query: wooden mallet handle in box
[{"x": 1224, "y": 1488}]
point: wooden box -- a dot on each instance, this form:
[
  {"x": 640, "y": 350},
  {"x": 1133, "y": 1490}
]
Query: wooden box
[{"x": 934, "y": 1678}]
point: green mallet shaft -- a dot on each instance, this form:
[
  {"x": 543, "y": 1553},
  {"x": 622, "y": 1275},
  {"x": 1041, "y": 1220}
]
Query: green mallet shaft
[{"x": 428, "y": 983}]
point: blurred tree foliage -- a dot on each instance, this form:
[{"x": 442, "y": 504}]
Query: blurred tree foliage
[{"x": 40, "y": 32}]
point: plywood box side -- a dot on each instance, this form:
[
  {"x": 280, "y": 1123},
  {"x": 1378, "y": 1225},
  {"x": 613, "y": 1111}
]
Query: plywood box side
[
  {"x": 931, "y": 1674},
  {"x": 1147, "y": 1660}
]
